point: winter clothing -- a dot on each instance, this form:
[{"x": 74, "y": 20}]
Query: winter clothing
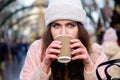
[
  {"x": 32, "y": 68},
  {"x": 64, "y": 9}
]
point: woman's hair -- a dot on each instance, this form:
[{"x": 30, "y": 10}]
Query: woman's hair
[{"x": 74, "y": 69}]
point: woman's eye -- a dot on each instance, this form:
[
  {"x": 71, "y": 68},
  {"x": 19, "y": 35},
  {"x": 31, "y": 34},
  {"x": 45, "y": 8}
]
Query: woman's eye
[
  {"x": 71, "y": 25},
  {"x": 55, "y": 25}
]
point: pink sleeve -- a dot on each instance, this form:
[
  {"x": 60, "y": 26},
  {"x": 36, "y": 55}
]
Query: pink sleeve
[
  {"x": 98, "y": 56},
  {"x": 32, "y": 67}
]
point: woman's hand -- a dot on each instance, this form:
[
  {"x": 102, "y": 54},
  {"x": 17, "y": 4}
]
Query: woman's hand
[
  {"x": 80, "y": 52},
  {"x": 51, "y": 53}
]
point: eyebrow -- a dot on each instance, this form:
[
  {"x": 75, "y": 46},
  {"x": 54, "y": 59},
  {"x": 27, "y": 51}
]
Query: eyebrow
[
  {"x": 55, "y": 23},
  {"x": 73, "y": 22}
]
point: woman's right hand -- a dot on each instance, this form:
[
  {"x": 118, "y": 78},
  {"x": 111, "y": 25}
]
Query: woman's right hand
[{"x": 51, "y": 53}]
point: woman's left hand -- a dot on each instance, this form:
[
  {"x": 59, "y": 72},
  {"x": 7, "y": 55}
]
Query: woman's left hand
[{"x": 80, "y": 52}]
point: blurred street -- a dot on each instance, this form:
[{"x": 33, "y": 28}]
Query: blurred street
[{"x": 13, "y": 70}]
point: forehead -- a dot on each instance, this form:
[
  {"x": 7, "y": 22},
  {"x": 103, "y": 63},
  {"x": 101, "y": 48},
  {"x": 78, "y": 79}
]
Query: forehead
[{"x": 63, "y": 21}]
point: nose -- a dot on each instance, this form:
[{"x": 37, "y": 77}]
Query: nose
[{"x": 63, "y": 31}]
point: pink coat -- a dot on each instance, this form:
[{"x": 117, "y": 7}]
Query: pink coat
[{"x": 32, "y": 67}]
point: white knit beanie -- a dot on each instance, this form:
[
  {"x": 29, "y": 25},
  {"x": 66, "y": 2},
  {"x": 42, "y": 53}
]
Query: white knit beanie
[
  {"x": 110, "y": 35},
  {"x": 65, "y": 9}
]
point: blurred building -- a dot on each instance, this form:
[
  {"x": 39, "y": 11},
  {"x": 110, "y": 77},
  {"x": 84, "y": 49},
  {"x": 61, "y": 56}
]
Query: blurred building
[{"x": 26, "y": 17}]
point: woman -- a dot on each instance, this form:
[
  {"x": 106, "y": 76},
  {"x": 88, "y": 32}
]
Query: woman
[{"x": 41, "y": 61}]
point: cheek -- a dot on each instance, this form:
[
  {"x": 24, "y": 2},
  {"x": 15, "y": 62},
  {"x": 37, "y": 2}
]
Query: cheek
[
  {"x": 74, "y": 33},
  {"x": 54, "y": 33}
]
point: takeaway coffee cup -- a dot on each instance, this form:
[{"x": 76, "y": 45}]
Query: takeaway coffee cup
[{"x": 65, "y": 53}]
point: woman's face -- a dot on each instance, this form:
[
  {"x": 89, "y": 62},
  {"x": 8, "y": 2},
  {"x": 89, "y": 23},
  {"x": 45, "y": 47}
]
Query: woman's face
[{"x": 64, "y": 27}]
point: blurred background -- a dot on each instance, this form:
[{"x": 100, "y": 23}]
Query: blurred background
[{"x": 22, "y": 22}]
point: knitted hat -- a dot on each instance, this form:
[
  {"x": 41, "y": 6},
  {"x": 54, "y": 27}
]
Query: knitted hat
[
  {"x": 110, "y": 35},
  {"x": 64, "y": 9}
]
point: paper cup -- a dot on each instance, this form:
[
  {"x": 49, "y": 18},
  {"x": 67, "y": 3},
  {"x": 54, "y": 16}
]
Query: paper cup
[{"x": 65, "y": 53}]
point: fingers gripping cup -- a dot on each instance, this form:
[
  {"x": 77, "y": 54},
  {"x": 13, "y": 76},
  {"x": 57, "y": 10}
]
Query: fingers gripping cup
[{"x": 65, "y": 53}]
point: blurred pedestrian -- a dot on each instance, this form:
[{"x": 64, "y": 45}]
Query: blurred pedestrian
[
  {"x": 3, "y": 57},
  {"x": 14, "y": 50},
  {"x": 112, "y": 49}
]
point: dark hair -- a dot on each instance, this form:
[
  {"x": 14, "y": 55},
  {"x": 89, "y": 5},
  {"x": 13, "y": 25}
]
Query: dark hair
[{"x": 74, "y": 69}]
